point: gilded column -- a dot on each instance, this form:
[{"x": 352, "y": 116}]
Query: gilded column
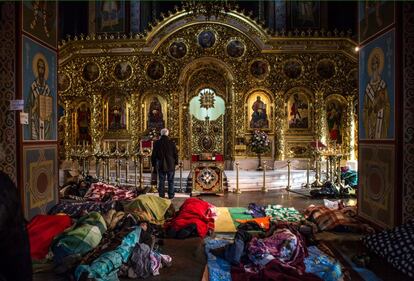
[
  {"x": 135, "y": 121},
  {"x": 320, "y": 117},
  {"x": 68, "y": 129},
  {"x": 279, "y": 127},
  {"x": 349, "y": 144},
  {"x": 96, "y": 122}
]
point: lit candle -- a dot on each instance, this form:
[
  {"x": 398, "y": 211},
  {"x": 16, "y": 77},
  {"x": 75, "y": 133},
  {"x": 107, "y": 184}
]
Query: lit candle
[{"x": 317, "y": 144}]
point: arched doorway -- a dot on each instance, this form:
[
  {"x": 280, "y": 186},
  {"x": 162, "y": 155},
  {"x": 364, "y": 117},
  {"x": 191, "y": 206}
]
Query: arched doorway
[{"x": 207, "y": 91}]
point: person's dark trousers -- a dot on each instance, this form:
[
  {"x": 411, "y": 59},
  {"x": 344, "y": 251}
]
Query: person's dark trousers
[{"x": 161, "y": 183}]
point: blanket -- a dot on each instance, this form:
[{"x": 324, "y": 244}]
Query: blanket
[
  {"x": 196, "y": 212},
  {"x": 42, "y": 229}
]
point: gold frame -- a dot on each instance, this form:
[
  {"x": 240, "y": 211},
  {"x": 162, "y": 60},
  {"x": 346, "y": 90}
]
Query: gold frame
[
  {"x": 99, "y": 68},
  {"x": 146, "y": 70},
  {"x": 178, "y": 40},
  {"x": 216, "y": 37},
  {"x": 270, "y": 114},
  {"x": 229, "y": 77},
  {"x": 124, "y": 80},
  {"x": 231, "y": 39},
  {"x": 262, "y": 78}
]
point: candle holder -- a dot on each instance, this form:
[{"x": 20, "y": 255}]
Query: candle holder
[{"x": 317, "y": 154}]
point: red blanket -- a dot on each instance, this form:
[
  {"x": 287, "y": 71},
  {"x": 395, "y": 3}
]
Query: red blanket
[
  {"x": 193, "y": 211},
  {"x": 42, "y": 229}
]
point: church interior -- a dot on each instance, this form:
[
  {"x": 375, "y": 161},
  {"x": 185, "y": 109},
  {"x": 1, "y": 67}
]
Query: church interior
[{"x": 289, "y": 127}]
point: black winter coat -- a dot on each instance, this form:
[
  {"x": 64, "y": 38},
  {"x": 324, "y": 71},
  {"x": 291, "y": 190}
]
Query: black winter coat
[{"x": 164, "y": 149}]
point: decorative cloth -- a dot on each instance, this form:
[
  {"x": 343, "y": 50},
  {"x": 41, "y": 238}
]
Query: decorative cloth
[
  {"x": 103, "y": 192},
  {"x": 279, "y": 213},
  {"x": 396, "y": 246}
]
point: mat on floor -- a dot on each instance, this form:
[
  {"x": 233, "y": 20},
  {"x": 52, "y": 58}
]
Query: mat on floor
[
  {"x": 224, "y": 221},
  {"x": 238, "y": 213}
]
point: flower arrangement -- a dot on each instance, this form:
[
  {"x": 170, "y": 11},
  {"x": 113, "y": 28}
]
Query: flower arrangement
[
  {"x": 152, "y": 134},
  {"x": 259, "y": 143}
]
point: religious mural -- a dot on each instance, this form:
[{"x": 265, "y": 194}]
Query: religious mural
[
  {"x": 298, "y": 111},
  {"x": 325, "y": 69},
  {"x": 40, "y": 179},
  {"x": 109, "y": 16},
  {"x": 116, "y": 113},
  {"x": 293, "y": 68},
  {"x": 206, "y": 39},
  {"x": 235, "y": 48},
  {"x": 39, "y": 91},
  {"x": 155, "y": 113},
  {"x": 259, "y": 69},
  {"x": 40, "y": 20},
  {"x": 305, "y": 14},
  {"x": 123, "y": 71},
  {"x": 259, "y": 110},
  {"x": 90, "y": 72},
  {"x": 63, "y": 82},
  {"x": 178, "y": 50},
  {"x": 83, "y": 119},
  {"x": 376, "y": 183},
  {"x": 155, "y": 70},
  {"x": 374, "y": 16},
  {"x": 376, "y": 90},
  {"x": 334, "y": 116}
]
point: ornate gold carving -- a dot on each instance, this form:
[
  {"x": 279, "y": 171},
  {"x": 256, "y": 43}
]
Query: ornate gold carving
[{"x": 211, "y": 67}]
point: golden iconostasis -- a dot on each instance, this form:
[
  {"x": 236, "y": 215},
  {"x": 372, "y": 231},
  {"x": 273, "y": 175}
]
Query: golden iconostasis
[{"x": 296, "y": 88}]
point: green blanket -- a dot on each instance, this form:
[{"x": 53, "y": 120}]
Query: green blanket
[
  {"x": 238, "y": 213},
  {"x": 154, "y": 205},
  {"x": 82, "y": 237}
]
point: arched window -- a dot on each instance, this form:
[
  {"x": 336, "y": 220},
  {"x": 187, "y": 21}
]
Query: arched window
[{"x": 207, "y": 103}]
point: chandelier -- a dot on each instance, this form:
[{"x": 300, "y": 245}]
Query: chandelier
[{"x": 209, "y": 9}]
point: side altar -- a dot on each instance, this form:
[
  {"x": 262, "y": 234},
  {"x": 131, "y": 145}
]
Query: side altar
[{"x": 207, "y": 173}]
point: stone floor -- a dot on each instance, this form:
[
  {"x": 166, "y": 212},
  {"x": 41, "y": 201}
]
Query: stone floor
[{"x": 188, "y": 255}]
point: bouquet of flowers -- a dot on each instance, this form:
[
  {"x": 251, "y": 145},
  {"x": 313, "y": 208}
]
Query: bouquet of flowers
[
  {"x": 152, "y": 134},
  {"x": 259, "y": 143}
]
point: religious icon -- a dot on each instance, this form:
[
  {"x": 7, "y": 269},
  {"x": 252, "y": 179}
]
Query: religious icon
[
  {"x": 110, "y": 16},
  {"x": 90, "y": 71},
  {"x": 235, "y": 49},
  {"x": 325, "y": 69},
  {"x": 40, "y": 104},
  {"x": 374, "y": 16},
  {"x": 292, "y": 69},
  {"x": 116, "y": 113},
  {"x": 83, "y": 120},
  {"x": 39, "y": 19},
  {"x": 155, "y": 116},
  {"x": 298, "y": 112},
  {"x": 123, "y": 70},
  {"x": 259, "y": 69},
  {"x": 259, "y": 116},
  {"x": 305, "y": 14},
  {"x": 376, "y": 108},
  {"x": 155, "y": 70},
  {"x": 334, "y": 117},
  {"x": 206, "y": 39},
  {"x": 178, "y": 50},
  {"x": 63, "y": 82}
]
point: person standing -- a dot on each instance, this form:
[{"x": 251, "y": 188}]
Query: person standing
[{"x": 164, "y": 158}]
